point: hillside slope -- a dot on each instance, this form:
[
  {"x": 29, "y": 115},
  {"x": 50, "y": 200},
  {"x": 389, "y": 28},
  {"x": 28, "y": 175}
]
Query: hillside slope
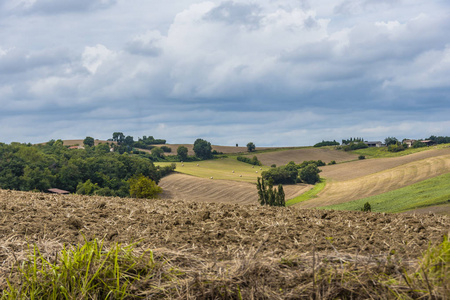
[
  {"x": 195, "y": 189},
  {"x": 360, "y": 168},
  {"x": 377, "y": 183}
]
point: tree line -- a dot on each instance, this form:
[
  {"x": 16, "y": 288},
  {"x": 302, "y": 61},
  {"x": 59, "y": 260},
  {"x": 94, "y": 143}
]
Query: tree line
[{"x": 93, "y": 170}]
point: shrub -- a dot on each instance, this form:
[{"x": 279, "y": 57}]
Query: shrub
[
  {"x": 253, "y": 161},
  {"x": 366, "y": 207},
  {"x": 143, "y": 187},
  {"x": 326, "y": 143},
  {"x": 396, "y": 147},
  {"x": 361, "y": 157},
  {"x": 418, "y": 144},
  {"x": 333, "y": 162},
  {"x": 353, "y": 146},
  {"x": 166, "y": 149},
  {"x": 273, "y": 166}
]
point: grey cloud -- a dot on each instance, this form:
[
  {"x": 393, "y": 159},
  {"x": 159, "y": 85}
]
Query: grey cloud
[
  {"x": 359, "y": 6},
  {"x": 64, "y": 6},
  {"x": 233, "y": 13}
]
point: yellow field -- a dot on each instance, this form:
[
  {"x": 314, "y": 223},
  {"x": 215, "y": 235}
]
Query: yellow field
[
  {"x": 377, "y": 183},
  {"x": 220, "y": 169}
]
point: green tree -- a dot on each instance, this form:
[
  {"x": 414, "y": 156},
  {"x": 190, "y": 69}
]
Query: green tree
[
  {"x": 89, "y": 141},
  {"x": 251, "y": 147},
  {"x": 268, "y": 195},
  {"x": 118, "y": 137},
  {"x": 157, "y": 153},
  {"x": 182, "y": 152},
  {"x": 143, "y": 187},
  {"x": 310, "y": 174},
  {"x": 390, "y": 141},
  {"x": 87, "y": 188},
  {"x": 129, "y": 141},
  {"x": 202, "y": 149}
]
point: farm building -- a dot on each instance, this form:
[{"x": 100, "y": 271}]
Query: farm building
[
  {"x": 58, "y": 191},
  {"x": 408, "y": 142},
  {"x": 428, "y": 142},
  {"x": 375, "y": 144}
]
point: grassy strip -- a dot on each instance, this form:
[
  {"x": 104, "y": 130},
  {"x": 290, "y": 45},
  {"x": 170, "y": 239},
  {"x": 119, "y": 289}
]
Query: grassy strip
[
  {"x": 309, "y": 194},
  {"x": 433, "y": 191},
  {"x": 374, "y": 152},
  {"x": 91, "y": 273}
]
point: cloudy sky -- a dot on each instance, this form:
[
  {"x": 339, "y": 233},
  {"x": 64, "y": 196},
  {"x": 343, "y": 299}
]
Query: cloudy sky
[{"x": 278, "y": 73}]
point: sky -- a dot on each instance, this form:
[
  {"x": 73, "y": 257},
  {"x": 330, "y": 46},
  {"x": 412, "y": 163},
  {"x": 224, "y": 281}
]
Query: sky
[{"x": 276, "y": 73}]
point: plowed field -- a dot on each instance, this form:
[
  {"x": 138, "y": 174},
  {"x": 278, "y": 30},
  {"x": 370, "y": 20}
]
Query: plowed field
[
  {"x": 190, "y": 188},
  {"x": 360, "y": 168},
  {"x": 299, "y": 155},
  {"x": 265, "y": 252},
  {"x": 377, "y": 183}
]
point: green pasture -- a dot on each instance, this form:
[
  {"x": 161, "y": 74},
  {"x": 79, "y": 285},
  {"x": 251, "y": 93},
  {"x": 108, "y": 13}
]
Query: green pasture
[
  {"x": 430, "y": 192},
  {"x": 375, "y": 152},
  {"x": 309, "y": 194},
  {"x": 221, "y": 168}
]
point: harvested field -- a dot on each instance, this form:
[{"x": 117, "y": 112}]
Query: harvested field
[
  {"x": 299, "y": 155},
  {"x": 374, "y": 184},
  {"x": 223, "y": 149},
  {"x": 223, "y": 251},
  {"x": 190, "y": 188},
  {"x": 360, "y": 168}
]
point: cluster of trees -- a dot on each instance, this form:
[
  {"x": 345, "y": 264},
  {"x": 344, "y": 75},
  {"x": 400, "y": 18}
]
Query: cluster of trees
[
  {"x": 327, "y": 143},
  {"x": 142, "y": 143},
  {"x": 253, "y": 161},
  {"x": 354, "y": 146},
  {"x": 439, "y": 139},
  {"x": 352, "y": 140},
  {"x": 268, "y": 195},
  {"x": 307, "y": 172},
  {"x": 94, "y": 170}
]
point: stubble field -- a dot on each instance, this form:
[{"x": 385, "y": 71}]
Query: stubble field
[{"x": 222, "y": 251}]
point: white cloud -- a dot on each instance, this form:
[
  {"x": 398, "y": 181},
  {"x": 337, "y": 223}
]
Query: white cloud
[
  {"x": 93, "y": 57},
  {"x": 227, "y": 69}
]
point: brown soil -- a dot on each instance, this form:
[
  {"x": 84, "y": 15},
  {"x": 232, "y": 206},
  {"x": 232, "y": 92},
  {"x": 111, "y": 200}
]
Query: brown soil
[
  {"x": 443, "y": 209},
  {"x": 223, "y": 149},
  {"x": 377, "y": 183},
  {"x": 355, "y": 169},
  {"x": 80, "y": 142},
  {"x": 221, "y": 238},
  {"x": 190, "y": 188},
  {"x": 299, "y": 155}
]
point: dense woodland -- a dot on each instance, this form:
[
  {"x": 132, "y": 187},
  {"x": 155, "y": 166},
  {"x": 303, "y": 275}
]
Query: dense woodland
[{"x": 93, "y": 170}]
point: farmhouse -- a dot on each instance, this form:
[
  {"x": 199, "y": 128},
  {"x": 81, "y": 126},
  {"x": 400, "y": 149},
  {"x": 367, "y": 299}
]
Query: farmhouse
[
  {"x": 408, "y": 142},
  {"x": 375, "y": 144}
]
